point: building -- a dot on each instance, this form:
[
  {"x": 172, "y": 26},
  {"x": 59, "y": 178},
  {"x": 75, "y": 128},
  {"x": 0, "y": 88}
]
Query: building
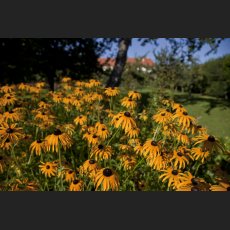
[{"x": 143, "y": 64}]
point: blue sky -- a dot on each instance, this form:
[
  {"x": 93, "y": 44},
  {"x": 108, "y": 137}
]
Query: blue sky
[{"x": 136, "y": 50}]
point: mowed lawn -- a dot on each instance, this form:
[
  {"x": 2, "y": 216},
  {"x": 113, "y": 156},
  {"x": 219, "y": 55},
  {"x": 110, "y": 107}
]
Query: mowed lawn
[{"x": 211, "y": 112}]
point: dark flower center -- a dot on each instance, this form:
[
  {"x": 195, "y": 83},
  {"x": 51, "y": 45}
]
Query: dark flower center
[
  {"x": 154, "y": 143},
  {"x": 107, "y": 172},
  {"x": 70, "y": 171},
  {"x": 103, "y": 129},
  {"x": 211, "y": 138},
  {"x": 8, "y": 98},
  {"x": 92, "y": 162},
  {"x": 180, "y": 154},
  {"x": 168, "y": 110},
  {"x": 127, "y": 114},
  {"x": 199, "y": 126},
  {"x": 228, "y": 189},
  {"x": 130, "y": 99},
  {"x": 11, "y": 112},
  {"x": 9, "y": 130},
  {"x": 43, "y": 113},
  {"x": 75, "y": 181},
  {"x": 94, "y": 136},
  {"x": 195, "y": 189},
  {"x": 57, "y": 132},
  {"x": 39, "y": 141},
  {"x": 100, "y": 146},
  {"x": 185, "y": 113},
  {"x": 175, "y": 172},
  {"x": 194, "y": 181},
  {"x": 47, "y": 167},
  {"x": 112, "y": 88},
  {"x": 7, "y": 140},
  {"x": 80, "y": 117},
  {"x": 163, "y": 114}
]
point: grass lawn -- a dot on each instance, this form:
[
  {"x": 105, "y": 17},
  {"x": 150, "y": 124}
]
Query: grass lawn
[{"x": 211, "y": 112}]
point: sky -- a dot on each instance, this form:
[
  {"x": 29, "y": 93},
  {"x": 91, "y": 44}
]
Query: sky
[{"x": 136, "y": 50}]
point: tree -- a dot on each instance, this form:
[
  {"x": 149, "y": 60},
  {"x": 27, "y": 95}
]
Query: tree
[
  {"x": 115, "y": 77},
  {"x": 184, "y": 47},
  {"x": 23, "y": 59}
]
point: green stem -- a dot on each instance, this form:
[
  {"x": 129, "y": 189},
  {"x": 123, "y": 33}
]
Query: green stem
[
  {"x": 113, "y": 136},
  {"x": 29, "y": 161}
]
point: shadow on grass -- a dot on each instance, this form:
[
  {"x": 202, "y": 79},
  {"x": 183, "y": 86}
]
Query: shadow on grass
[{"x": 211, "y": 101}]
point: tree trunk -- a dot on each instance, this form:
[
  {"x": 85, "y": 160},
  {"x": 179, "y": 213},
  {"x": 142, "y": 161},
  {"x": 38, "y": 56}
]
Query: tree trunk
[{"x": 115, "y": 77}]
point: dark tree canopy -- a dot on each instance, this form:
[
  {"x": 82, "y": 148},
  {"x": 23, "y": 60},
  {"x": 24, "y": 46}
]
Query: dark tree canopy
[{"x": 22, "y": 59}]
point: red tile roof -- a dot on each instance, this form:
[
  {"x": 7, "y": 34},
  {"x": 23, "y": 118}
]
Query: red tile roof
[{"x": 111, "y": 61}]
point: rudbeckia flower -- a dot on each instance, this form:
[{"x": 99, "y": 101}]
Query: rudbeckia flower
[
  {"x": 76, "y": 185},
  {"x": 10, "y": 132},
  {"x": 106, "y": 179},
  {"x": 162, "y": 116},
  {"x": 80, "y": 120},
  {"x": 172, "y": 175},
  {"x": 150, "y": 147},
  {"x": 124, "y": 120},
  {"x": 179, "y": 159},
  {"x": 134, "y": 95},
  {"x": 129, "y": 103},
  {"x": 221, "y": 187},
  {"x": 112, "y": 91},
  {"x": 69, "y": 175},
  {"x": 38, "y": 146},
  {"x": 48, "y": 168},
  {"x": 209, "y": 143},
  {"x": 56, "y": 139},
  {"x": 198, "y": 154},
  {"x": 183, "y": 119},
  {"x": 101, "y": 152}
]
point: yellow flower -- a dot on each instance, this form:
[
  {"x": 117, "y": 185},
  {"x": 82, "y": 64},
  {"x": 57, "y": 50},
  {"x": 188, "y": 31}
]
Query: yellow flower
[
  {"x": 158, "y": 162},
  {"x": 112, "y": 91},
  {"x": 129, "y": 162},
  {"x": 150, "y": 147},
  {"x": 209, "y": 143},
  {"x": 180, "y": 159},
  {"x": 143, "y": 115},
  {"x": 6, "y": 144},
  {"x": 89, "y": 166},
  {"x": 198, "y": 154},
  {"x": 134, "y": 95},
  {"x": 102, "y": 131},
  {"x": 48, "y": 168},
  {"x": 123, "y": 120},
  {"x": 76, "y": 185},
  {"x": 222, "y": 187},
  {"x": 107, "y": 179},
  {"x": 184, "y": 120},
  {"x": 10, "y": 132},
  {"x": 38, "y": 146},
  {"x": 101, "y": 152},
  {"x": 162, "y": 116},
  {"x": 69, "y": 175},
  {"x": 128, "y": 103},
  {"x": 56, "y": 139},
  {"x": 9, "y": 99},
  {"x": 172, "y": 175},
  {"x": 11, "y": 115},
  {"x": 80, "y": 120}
]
